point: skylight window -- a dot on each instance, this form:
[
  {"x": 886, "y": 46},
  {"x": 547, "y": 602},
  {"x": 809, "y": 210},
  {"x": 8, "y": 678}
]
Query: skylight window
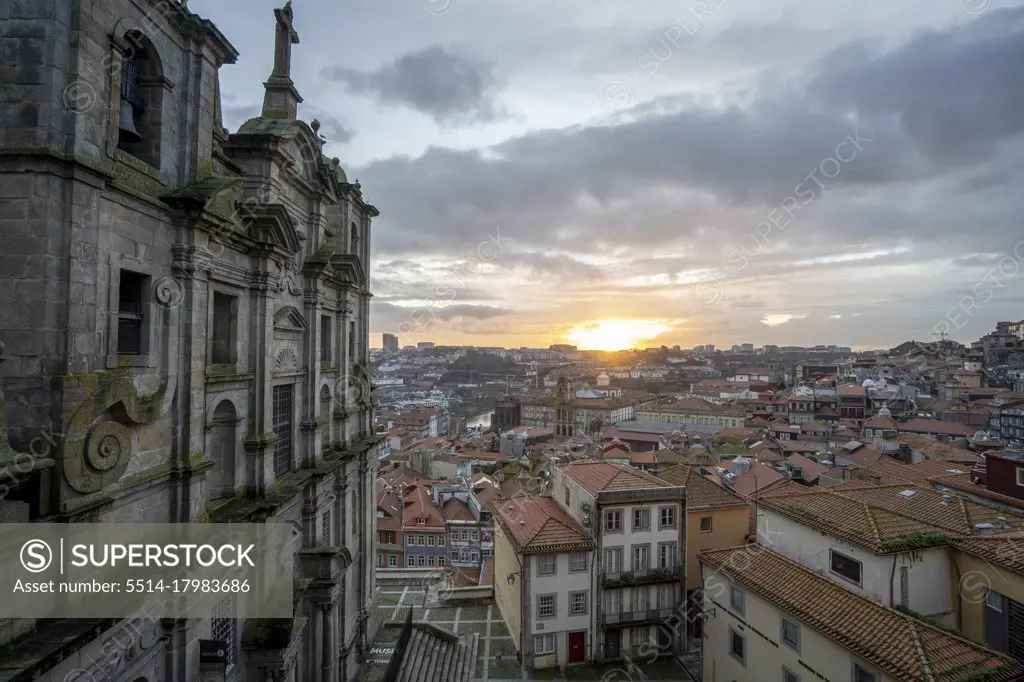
[{"x": 908, "y": 493}]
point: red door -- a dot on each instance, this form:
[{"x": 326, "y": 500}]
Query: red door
[{"x": 577, "y": 646}]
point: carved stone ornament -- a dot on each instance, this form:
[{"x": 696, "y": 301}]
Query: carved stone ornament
[
  {"x": 286, "y": 361},
  {"x": 96, "y": 447}
]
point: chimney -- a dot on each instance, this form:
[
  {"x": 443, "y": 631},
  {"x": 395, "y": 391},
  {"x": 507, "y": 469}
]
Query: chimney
[
  {"x": 983, "y": 528},
  {"x": 946, "y": 499},
  {"x": 1003, "y": 521}
]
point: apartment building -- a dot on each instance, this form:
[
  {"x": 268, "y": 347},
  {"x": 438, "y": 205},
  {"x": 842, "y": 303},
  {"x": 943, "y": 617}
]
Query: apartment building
[
  {"x": 544, "y": 581},
  {"x": 424, "y": 529},
  {"x": 769, "y": 618},
  {"x": 889, "y": 543},
  {"x": 692, "y": 410},
  {"x": 992, "y": 607},
  {"x": 637, "y": 524}
]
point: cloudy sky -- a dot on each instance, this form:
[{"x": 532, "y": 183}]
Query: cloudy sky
[{"x": 727, "y": 171}]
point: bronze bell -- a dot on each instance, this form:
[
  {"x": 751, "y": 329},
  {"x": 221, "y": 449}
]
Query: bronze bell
[{"x": 126, "y": 123}]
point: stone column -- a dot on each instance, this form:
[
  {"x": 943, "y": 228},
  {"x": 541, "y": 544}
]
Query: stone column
[{"x": 327, "y": 643}]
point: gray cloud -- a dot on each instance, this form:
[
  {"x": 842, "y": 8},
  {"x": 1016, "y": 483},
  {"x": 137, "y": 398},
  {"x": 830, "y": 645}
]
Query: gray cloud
[
  {"x": 721, "y": 168},
  {"x": 333, "y": 128},
  {"x": 440, "y": 82}
]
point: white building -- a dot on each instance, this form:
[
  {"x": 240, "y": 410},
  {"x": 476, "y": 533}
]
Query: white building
[
  {"x": 590, "y": 573},
  {"x": 888, "y": 543},
  {"x": 637, "y": 523},
  {"x": 544, "y": 581},
  {"x": 769, "y": 618}
]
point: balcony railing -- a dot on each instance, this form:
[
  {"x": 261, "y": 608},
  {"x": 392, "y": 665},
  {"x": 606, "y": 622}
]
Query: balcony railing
[
  {"x": 623, "y": 618},
  {"x": 641, "y": 576}
]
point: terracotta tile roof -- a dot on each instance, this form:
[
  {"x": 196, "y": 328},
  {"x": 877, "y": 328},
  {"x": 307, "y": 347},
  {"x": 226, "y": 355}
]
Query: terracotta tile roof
[
  {"x": 797, "y": 446},
  {"x": 418, "y": 504},
  {"x": 863, "y": 456},
  {"x": 455, "y": 509},
  {"x": 926, "y": 426},
  {"x": 537, "y": 525},
  {"x": 932, "y": 448},
  {"x": 959, "y": 516},
  {"x": 809, "y": 469},
  {"x": 880, "y": 421},
  {"x": 701, "y": 494},
  {"x": 878, "y": 530},
  {"x": 755, "y": 479},
  {"x": 962, "y": 482},
  {"x": 596, "y": 476},
  {"x": 909, "y": 649},
  {"x": 1006, "y": 551}
]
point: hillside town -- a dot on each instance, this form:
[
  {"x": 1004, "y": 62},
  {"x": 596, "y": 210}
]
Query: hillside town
[
  {"x": 843, "y": 511},
  {"x": 192, "y": 280}
]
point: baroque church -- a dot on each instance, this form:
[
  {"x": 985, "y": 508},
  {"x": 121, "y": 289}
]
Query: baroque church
[{"x": 183, "y": 332}]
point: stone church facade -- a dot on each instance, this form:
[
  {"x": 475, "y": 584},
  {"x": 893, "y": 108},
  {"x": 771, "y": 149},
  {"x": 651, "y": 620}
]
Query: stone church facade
[{"x": 184, "y": 327}]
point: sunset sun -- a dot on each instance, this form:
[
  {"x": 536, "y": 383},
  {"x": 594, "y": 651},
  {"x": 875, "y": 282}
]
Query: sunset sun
[{"x": 614, "y": 334}]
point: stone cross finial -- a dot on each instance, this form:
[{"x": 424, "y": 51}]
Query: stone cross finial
[{"x": 284, "y": 38}]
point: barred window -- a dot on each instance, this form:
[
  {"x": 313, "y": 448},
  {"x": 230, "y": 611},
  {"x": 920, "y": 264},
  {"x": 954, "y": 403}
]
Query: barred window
[
  {"x": 223, "y": 626},
  {"x": 282, "y": 406},
  {"x": 130, "y": 313}
]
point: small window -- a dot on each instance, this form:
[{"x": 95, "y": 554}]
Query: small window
[
  {"x": 421, "y": 561},
  {"x": 131, "y": 319},
  {"x": 464, "y": 535},
  {"x": 705, "y": 524},
  {"x": 738, "y": 647},
  {"x": 420, "y": 521},
  {"x": 392, "y": 561},
  {"x": 567, "y": 497},
  {"x": 474, "y": 557},
  {"x": 410, "y": 561},
  {"x": 789, "y": 676},
  {"x": 577, "y": 561},
  {"x": 1020, "y": 476},
  {"x": 791, "y": 634},
  {"x": 667, "y": 555},
  {"x": 613, "y": 521},
  {"x": 994, "y": 600},
  {"x": 223, "y": 344},
  {"x": 543, "y": 644},
  {"x": 577, "y": 603},
  {"x": 546, "y": 564},
  {"x": 440, "y": 541},
  {"x": 474, "y": 536},
  {"x": 845, "y": 567},
  {"x": 641, "y": 519},
  {"x": 325, "y": 339},
  {"x": 442, "y": 561},
  {"x": 430, "y": 540},
  {"x": 668, "y": 517},
  {"x": 738, "y": 600},
  {"x": 861, "y": 674},
  {"x": 546, "y": 606},
  {"x": 613, "y": 560},
  {"x": 641, "y": 558},
  {"x": 431, "y": 561}
]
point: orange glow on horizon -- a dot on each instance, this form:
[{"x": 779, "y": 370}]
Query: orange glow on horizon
[{"x": 613, "y": 335}]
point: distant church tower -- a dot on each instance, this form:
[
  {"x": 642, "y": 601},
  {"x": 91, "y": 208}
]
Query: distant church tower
[{"x": 565, "y": 412}]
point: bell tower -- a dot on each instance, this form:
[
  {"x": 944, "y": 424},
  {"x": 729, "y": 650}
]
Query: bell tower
[{"x": 565, "y": 413}]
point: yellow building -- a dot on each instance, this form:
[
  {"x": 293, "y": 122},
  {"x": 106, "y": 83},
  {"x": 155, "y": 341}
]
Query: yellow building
[
  {"x": 715, "y": 517},
  {"x": 990, "y": 572}
]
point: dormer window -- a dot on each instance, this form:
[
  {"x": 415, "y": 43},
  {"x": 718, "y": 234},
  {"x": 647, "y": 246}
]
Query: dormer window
[{"x": 420, "y": 521}]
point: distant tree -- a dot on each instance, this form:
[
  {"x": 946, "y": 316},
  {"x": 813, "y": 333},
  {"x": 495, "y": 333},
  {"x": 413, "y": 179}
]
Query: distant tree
[{"x": 596, "y": 425}]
